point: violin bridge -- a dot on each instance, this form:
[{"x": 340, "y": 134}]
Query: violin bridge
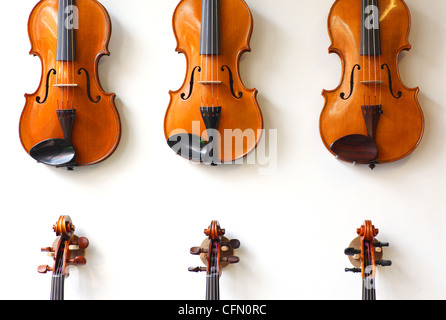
[
  {"x": 210, "y": 82},
  {"x": 372, "y": 82},
  {"x": 65, "y": 85}
]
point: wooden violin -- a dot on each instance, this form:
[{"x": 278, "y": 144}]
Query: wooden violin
[
  {"x": 70, "y": 120},
  {"x": 365, "y": 253},
  {"x": 216, "y": 252},
  {"x": 67, "y": 249},
  {"x": 213, "y": 118},
  {"x": 371, "y": 117}
]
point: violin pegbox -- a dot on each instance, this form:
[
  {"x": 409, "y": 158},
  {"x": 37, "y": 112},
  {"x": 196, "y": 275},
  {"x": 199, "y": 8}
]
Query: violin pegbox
[
  {"x": 366, "y": 234},
  {"x": 226, "y": 252},
  {"x": 67, "y": 249}
]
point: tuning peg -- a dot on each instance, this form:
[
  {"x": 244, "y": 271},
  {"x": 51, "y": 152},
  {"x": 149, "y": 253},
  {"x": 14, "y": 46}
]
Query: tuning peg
[
  {"x": 197, "y": 269},
  {"x": 231, "y": 244},
  {"x": 381, "y": 244},
  {"x": 351, "y": 251},
  {"x": 80, "y": 243},
  {"x": 44, "y": 269},
  {"x": 198, "y": 250},
  {"x": 78, "y": 261},
  {"x": 230, "y": 259},
  {"x": 354, "y": 270},
  {"x": 384, "y": 263}
]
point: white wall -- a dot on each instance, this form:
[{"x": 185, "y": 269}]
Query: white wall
[{"x": 143, "y": 208}]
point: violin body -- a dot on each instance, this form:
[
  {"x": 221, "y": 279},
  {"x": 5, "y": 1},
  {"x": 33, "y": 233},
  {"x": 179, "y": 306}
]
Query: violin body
[
  {"x": 371, "y": 117},
  {"x": 70, "y": 103},
  {"x": 213, "y": 35}
]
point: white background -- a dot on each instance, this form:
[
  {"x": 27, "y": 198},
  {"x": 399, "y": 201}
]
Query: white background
[{"x": 144, "y": 207}]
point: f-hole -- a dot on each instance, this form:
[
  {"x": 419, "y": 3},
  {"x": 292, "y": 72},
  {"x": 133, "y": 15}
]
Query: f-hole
[
  {"x": 88, "y": 86},
  {"x": 191, "y": 84},
  {"x": 400, "y": 94},
  {"x": 47, "y": 85},
  {"x": 231, "y": 83},
  {"x": 352, "y": 83}
]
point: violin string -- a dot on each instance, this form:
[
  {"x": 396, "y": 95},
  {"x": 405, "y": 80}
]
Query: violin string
[
  {"x": 374, "y": 50},
  {"x": 201, "y": 66},
  {"x": 66, "y": 25},
  {"x": 217, "y": 25},
  {"x": 62, "y": 60},
  {"x": 369, "y": 55},
  {"x": 72, "y": 55},
  {"x": 207, "y": 59},
  {"x": 363, "y": 33},
  {"x": 379, "y": 59},
  {"x": 212, "y": 53}
]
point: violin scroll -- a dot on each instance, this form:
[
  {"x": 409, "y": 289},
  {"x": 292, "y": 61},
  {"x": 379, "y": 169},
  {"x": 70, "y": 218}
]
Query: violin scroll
[
  {"x": 354, "y": 251},
  {"x": 68, "y": 249},
  {"x": 365, "y": 253},
  {"x": 227, "y": 247}
]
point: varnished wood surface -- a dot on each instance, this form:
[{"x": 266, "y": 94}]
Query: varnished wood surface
[
  {"x": 97, "y": 128},
  {"x": 238, "y": 116},
  {"x": 401, "y": 126}
]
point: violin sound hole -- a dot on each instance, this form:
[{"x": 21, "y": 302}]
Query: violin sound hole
[
  {"x": 231, "y": 83},
  {"x": 98, "y": 98},
  {"x": 352, "y": 82},
  {"x": 191, "y": 83},
  {"x": 47, "y": 86},
  {"x": 400, "y": 94}
]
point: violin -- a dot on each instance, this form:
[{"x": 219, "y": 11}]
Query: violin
[
  {"x": 371, "y": 117},
  {"x": 67, "y": 249},
  {"x": 216, "y": 252},
  {"x": 70, "y": 120},
  {"x": 213, "y": 118},
  {"x": 365, "y": 253}
]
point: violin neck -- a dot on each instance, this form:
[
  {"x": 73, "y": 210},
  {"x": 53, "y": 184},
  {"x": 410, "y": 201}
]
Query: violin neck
[
  {"x": 210, "y": 28},
  {"x": 212, "y": 286},
  {"x": 370, "y": 34},
  {"x": 368, "y": 289},
  {"x": 57, "y": 287},
  {"x": 66, "y": 24}
]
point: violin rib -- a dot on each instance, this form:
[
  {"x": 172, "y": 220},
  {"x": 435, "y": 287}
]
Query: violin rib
[
  {"x": 70, "y": 81},
  {"x": 368, "y": 36},
  {"x": 213, "y": 34}
]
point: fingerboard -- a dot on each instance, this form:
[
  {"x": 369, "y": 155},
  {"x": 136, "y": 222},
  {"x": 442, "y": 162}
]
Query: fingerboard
[
  {"x": 210, "y": 28},
  {"x": 370, "y": 34}
]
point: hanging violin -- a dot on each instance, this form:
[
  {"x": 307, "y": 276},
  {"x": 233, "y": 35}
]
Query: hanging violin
[
  {"x": 67, "y": 249},
  {"x": 213, "y": 118},
  {"x": 70, "y": 120},
  {"x": 371, "y": 117},
  {"x": 365, "y": 253},
  {"x": 216, "y": 252}
]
